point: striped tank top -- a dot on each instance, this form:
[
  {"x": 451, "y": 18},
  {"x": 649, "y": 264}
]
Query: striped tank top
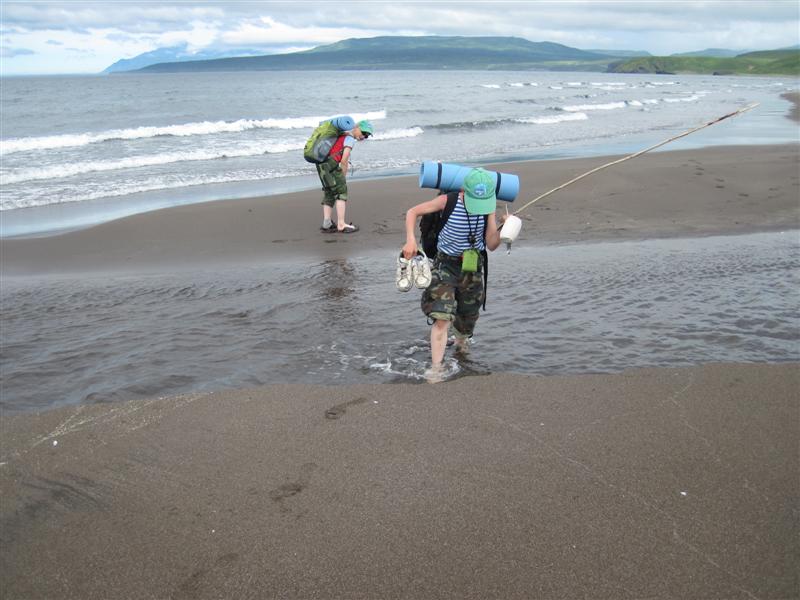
[{"x": 454, "y": 237}]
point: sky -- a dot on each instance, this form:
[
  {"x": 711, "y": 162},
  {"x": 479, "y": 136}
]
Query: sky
[{"x": 44, "y": 37}]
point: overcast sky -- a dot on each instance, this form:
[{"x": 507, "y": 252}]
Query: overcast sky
[{"x": 40, "y": 37}]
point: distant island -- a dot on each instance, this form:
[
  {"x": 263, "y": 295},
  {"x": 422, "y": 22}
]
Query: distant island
[
  {"x": 479, "y": 53},
  {"x": 770, "y": 62}
]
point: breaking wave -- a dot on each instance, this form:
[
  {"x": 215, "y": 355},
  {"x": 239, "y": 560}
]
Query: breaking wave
[
  {"x": 13, "y": 145},
  {"x": 583, "y": 107},
  {"x": 578, "y": 116},
  {"x": 132, "y": 162}
]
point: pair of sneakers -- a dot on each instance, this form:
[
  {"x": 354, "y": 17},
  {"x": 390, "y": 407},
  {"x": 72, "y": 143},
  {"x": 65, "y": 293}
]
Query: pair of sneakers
[{"x": 416, "y": 271}]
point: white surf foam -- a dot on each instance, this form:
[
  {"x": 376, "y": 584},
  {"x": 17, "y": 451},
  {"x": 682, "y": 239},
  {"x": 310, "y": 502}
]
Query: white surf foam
[
  {"x": 134, "y": 162},
  {"x": 81, "y": 193},
  {"x": 13, "y": 145},
  {"x": 578, "y": 116},
  {"x": 606, "y": 106},
  {"x": 686, "y": 99},
  {"x": 241, "y": 150},
  {"x": 394, "y": 134}
]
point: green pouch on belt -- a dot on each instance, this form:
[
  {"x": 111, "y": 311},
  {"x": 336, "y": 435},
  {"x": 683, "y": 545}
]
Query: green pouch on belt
[{"x": 469, "y": 260}]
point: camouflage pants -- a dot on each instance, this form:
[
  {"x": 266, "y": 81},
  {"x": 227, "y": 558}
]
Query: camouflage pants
[
  {"x": 334, "y": 184},
  {"x": 453, "y": 295}
]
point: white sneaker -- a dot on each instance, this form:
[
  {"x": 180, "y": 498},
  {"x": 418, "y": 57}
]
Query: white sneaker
[
  {"x": 403, "y": 277},
  {"x": 421, "y": 270}
]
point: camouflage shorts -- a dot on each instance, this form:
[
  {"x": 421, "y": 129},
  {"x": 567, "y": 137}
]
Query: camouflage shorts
[
  {"x": 334, "y": 184},
  {"x": 453, "y": 295}
]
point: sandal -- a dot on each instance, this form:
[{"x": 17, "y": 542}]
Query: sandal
[
  {"x": 330, "y": 229},
  {"x": 403, "y": 277},
  {"x": 348, "y": 228},
  {"x": 421, "y": 270}
]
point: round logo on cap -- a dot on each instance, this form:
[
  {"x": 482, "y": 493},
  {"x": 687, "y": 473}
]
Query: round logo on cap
[{"x": 480, "y": 191}]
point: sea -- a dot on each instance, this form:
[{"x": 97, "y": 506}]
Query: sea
[{"x": 78, "y": 151}]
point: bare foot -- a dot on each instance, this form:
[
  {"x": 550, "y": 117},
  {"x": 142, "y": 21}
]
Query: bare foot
[{"x": 435, "y": 374}]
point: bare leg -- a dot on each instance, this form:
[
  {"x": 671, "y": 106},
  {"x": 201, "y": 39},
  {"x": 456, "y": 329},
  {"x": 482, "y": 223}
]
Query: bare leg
[
  {"x": 438, "y": 341},
  {"x": 340, "y": 208},
  {"x": 327, "y": 212}
]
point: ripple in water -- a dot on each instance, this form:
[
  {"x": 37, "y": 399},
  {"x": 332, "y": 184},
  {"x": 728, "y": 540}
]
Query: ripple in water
[{"x": 583, "y": 308}]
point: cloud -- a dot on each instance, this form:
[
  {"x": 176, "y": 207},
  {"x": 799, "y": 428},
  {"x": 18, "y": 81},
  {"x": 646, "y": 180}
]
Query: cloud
[
  {"x": 6, "y": 52},
  {"x": 113, "y": 30},
  {"x": 126, "y": 16},
  {"x": 267, "y": 30}
]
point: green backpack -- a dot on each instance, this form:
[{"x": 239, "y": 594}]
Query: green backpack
[{"x": 323, "y": 138}]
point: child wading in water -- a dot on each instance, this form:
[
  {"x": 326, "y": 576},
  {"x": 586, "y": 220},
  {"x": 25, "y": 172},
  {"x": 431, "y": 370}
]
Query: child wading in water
[{"x": 456, "y": 292}]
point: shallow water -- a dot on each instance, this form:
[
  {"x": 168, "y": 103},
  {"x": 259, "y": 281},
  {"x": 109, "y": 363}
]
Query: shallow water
[{"x": 583, "y": 308}]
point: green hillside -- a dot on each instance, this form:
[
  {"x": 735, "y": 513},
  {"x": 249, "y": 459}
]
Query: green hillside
[
  {"x": 408, "y": 52},
  {"x": 771, "y": 62}
]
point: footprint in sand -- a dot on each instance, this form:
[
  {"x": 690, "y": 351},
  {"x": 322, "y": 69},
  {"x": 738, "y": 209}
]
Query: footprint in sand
[
  {"x": 293, "y": 488},
  {"x": 193, "y": 585},
  {"x": 334, "y": 412}
]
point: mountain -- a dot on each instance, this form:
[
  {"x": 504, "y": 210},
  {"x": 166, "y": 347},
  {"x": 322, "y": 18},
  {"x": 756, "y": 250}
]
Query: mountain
[
  {"x": 621, "y": 53},
  {"x": 712, "y": 53},
  {"x": 179, "y": 53},
  {"x": 401, "y": 52},
  {"x": 768, "y": 62}
]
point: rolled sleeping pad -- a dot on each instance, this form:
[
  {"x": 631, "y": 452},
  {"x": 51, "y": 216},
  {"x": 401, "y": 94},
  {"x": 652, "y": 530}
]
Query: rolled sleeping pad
[
  {"x": 342, "y": 122},
  {"x": 449, "y": 177}
]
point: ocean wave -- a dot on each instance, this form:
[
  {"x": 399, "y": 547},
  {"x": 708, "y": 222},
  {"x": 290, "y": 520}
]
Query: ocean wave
[
  {"x": 455, "y": 125},
  {"x": 584, "y": 107},
  {"x": 84, "y": 193},
  {"x": 133, "y": 162},
  {"x": 686, "y": 99},
  {"x": 394, "y": 134},
  {"x": 63, "y": 170},
  {"x": 13, "y": 145},
  {"x": 578, "y": 116}
]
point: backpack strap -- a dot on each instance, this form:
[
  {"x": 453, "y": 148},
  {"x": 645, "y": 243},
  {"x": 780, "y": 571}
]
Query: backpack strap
[
  {"x": 449, "y": 207},
  {"x": 485, "y": 255},
  {"x": 337, "y": 150}
]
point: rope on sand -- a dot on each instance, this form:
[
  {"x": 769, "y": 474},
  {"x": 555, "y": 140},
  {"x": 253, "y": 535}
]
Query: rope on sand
[{"x": 634, "y": 155}]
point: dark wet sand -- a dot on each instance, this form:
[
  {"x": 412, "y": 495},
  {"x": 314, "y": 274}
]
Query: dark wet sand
[
  {"x": 794, "y": 98},
  {"x": 712, "y": 191},
  {"x": 662, "y": 483}
]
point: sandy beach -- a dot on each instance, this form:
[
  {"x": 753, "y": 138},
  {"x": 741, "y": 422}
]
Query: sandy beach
[
  {"x": 725, "y": 190},
  {"x": 652, "y": 483},
  {"x": 664, "y": 483}
]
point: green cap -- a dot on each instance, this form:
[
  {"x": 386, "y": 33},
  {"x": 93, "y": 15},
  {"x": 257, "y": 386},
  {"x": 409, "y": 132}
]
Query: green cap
[
  {"x": 479, "y": 195},
  {"x": 365, "y": 127}
]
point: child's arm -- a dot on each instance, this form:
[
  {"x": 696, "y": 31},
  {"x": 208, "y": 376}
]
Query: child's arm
[{"x": 437, "y": 204}]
